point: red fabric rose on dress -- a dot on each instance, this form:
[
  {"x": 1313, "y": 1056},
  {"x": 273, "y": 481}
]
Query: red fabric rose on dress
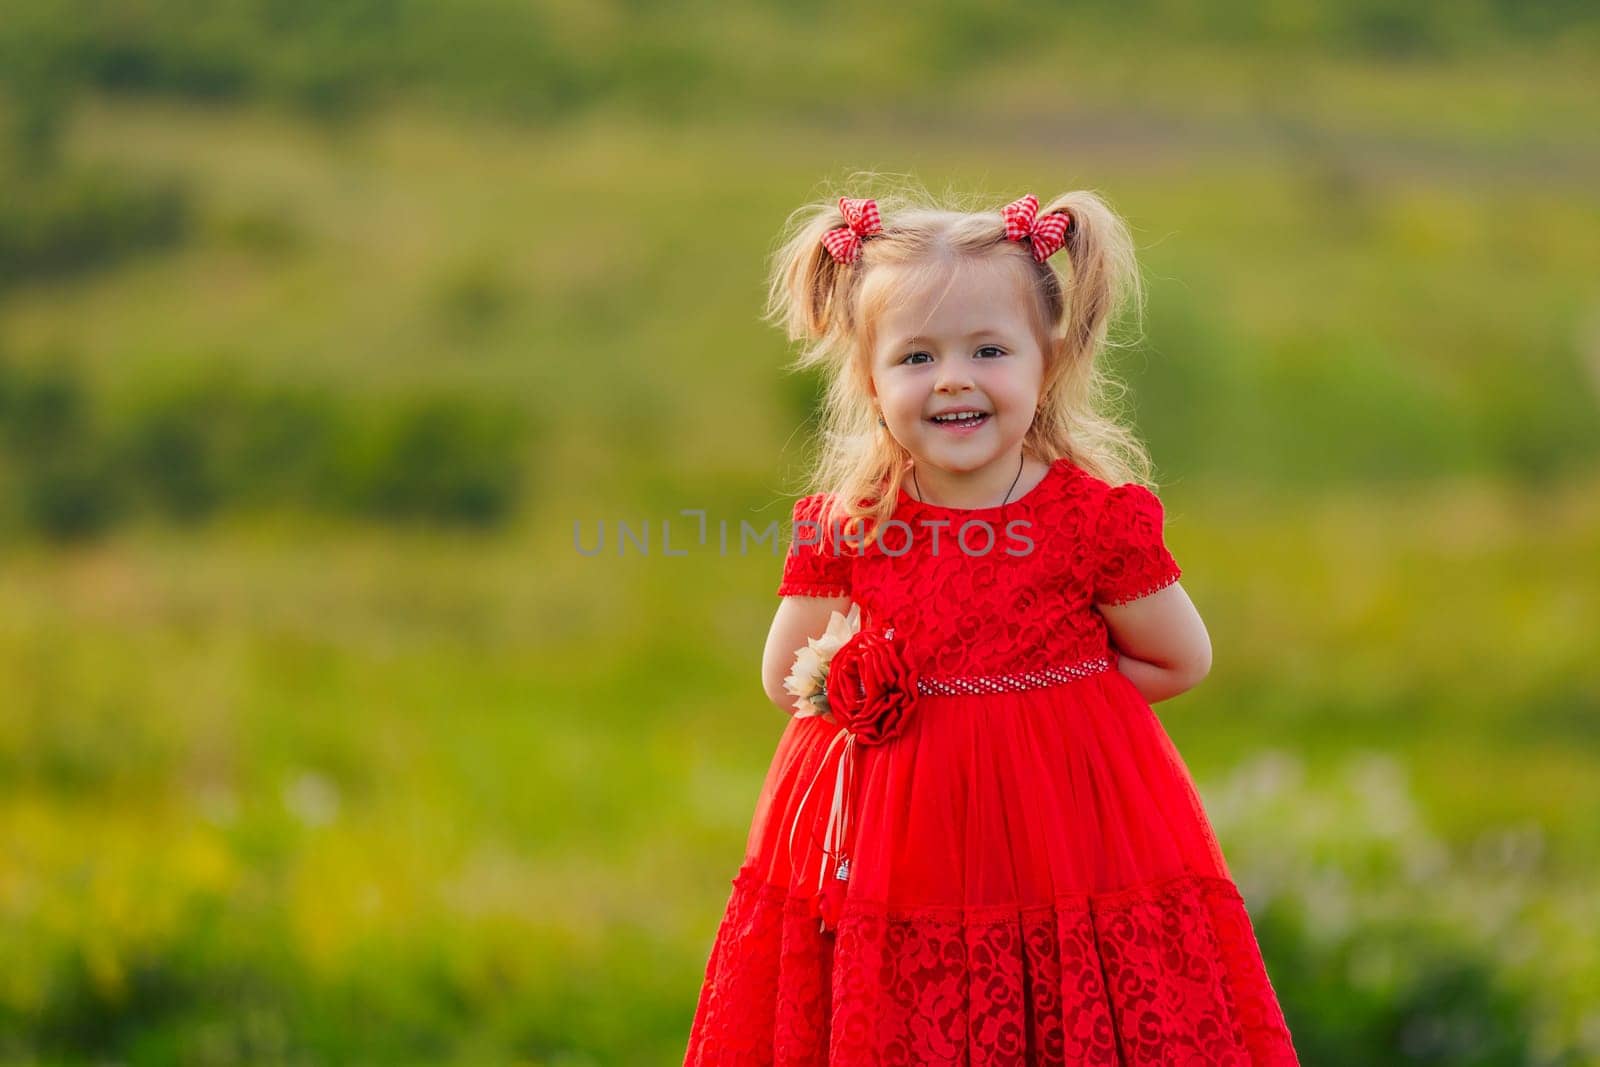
[{"x": 872, "y": 686}]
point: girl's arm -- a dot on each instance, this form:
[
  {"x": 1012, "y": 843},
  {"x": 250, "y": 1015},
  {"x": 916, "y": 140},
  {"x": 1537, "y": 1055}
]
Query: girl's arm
[
  {"x": 1163, "y": 644},
  {"x": 798, "y": 619}
]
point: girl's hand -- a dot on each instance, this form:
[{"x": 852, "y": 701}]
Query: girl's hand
[{"x": 1154, "y": 683}]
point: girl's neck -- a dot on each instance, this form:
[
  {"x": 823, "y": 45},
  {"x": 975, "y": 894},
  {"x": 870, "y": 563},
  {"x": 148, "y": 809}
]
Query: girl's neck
[{"x": 989, "y": 487}]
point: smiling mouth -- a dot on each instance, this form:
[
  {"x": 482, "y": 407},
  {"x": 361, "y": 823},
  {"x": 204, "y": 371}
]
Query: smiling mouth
[{"x": 965, "y": 420}]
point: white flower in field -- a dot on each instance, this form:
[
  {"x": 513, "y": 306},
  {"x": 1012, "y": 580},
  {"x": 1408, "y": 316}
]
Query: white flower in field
[
  {"x": 312, "y": 798},
  {"x": 808, "y": 678}
]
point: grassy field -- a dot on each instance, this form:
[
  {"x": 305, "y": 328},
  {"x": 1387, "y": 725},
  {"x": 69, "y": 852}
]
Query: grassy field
[{"x": 282, "y": 787}]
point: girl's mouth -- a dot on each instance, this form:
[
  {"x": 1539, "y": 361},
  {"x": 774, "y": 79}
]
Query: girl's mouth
[{"x": 966, "y": 422}]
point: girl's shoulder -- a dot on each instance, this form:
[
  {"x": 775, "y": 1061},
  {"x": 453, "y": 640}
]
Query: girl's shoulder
[
  {"x": 1127, "y": 550},
  {"x": 1092, "y": 514},
  {"x": 1129, "y": 506},
  {"x": 1116, "y": 501}
]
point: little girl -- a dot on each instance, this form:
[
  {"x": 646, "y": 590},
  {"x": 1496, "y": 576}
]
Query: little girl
[{"x": 976, "y": 844}]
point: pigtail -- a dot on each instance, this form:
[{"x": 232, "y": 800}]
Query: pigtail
[
  {"x": 1105, "y": 272},
  {"x": 812, "y": 295},
  {"x": 1080, "y": 413},
  {"x": 806, "y": 292}
]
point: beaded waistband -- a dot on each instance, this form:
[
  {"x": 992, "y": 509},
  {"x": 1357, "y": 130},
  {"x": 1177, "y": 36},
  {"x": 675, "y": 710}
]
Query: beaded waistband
[{"x": 973, "y": 685}]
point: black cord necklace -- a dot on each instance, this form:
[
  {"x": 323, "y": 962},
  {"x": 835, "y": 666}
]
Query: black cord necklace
[{"x": 1020, "y": 461}]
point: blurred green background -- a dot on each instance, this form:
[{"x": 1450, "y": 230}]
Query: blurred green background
[{"x": 321, "y": 324}]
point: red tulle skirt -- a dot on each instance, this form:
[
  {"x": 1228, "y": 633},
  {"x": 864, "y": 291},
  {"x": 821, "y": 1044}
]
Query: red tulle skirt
[{"x": 1033, "y": 881}]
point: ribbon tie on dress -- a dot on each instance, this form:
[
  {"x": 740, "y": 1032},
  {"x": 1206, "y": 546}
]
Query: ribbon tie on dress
[
  {"x": 1047, "y": 235},
  {"x": 835, "y": 854},
  {"x": 844, "y": 242},
  {"x": 872, "y": 692}
]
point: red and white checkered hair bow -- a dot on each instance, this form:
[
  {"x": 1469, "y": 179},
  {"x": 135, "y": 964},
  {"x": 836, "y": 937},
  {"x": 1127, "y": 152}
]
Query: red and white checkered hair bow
[
  {"x": 844, "y": 242},
  {"x": 1047, "y": 235}
]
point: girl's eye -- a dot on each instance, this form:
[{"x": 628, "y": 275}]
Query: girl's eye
[{"x": 996, "y": 349}]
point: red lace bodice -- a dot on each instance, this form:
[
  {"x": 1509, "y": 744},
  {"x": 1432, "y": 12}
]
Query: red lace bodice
[{"x": 990, "y": 591}]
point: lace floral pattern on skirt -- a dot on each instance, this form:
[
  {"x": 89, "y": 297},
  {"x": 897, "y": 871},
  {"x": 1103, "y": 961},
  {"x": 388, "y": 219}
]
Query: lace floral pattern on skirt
[{"x": 1167, "y": 973}]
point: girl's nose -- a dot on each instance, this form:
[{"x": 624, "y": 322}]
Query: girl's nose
[{"x": 953, "y": 377}]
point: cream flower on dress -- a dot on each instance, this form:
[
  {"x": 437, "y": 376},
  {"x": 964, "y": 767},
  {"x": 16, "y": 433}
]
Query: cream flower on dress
[{"x": 807, "y": 681}]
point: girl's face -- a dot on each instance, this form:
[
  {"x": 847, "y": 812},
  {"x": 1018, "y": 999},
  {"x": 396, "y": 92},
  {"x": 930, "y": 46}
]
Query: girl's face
[{"x": 962, "y": 346}]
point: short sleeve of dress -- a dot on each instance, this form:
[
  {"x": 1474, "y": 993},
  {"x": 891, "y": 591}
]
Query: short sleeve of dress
[
  {"x": 1132, "y": 556},
  {"x": 816, "y": 564}
]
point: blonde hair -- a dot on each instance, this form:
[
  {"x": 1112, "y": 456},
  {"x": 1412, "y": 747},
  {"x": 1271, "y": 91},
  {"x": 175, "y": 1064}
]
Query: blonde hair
[{"x": 833, "y": 307}]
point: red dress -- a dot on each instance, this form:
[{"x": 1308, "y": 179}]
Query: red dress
[{"x": 1032, "y": 877}]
